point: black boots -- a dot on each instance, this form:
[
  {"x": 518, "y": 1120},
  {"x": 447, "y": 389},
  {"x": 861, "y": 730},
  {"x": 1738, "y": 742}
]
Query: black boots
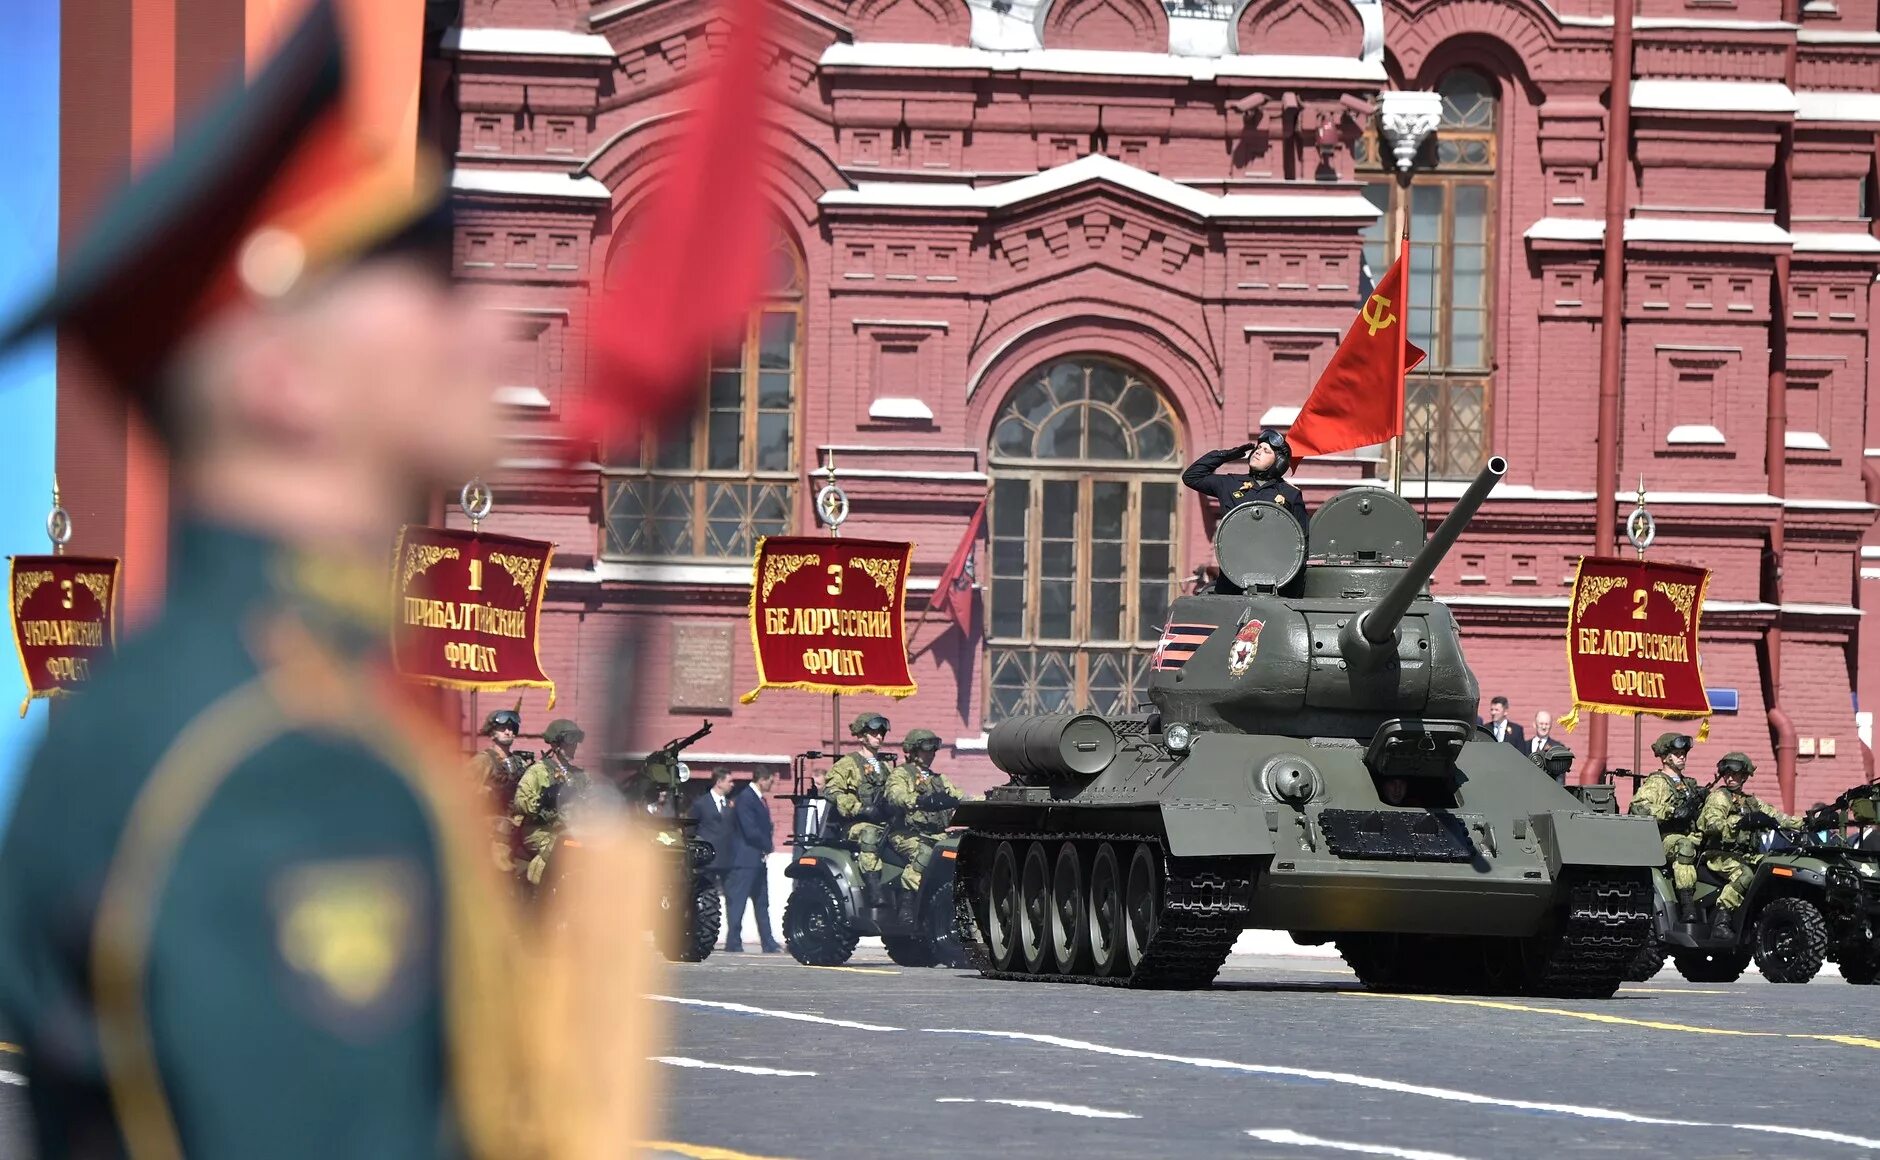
[
  {"x": 1723, "y": 926},
  {"x": 906, "y": 906},
  {"x": 871, "y": 888},
  {"x": 1687, "y": 907}
]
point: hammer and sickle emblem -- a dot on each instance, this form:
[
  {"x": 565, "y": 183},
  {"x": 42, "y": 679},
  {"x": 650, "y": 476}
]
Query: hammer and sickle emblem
[{"x": 1376, "y": 314}]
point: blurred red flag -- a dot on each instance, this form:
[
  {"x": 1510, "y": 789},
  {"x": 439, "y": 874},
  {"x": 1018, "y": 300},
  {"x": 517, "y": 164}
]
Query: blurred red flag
[
  {"x": 954, "y": 594},
  {"x": 695, "y": 253},
  {"x": 1358, "y": 401}
]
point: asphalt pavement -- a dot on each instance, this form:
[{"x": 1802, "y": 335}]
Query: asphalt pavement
[{"x": 1283, "y": 1057}]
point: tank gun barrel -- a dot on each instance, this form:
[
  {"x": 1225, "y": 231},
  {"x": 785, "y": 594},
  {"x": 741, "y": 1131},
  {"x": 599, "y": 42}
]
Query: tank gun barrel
[{"x": 1377, "y": 626}]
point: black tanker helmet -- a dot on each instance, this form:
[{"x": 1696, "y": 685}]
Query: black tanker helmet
[{"x": 1282, "y": 452}]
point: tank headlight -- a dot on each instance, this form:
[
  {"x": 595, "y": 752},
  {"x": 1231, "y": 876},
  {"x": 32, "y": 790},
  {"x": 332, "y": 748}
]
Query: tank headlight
[{"x": 1178, "y": 737}]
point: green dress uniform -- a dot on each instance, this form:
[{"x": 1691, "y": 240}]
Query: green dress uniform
[
  {"x": 242, "y": 943},
  {"x": 925, "y": 799}
]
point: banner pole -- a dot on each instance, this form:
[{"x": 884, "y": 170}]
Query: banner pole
[
  {"x": 1400, "y": 226},
  {"x": 1638, "y": 719},
  {"x": 835, "y": 699}
]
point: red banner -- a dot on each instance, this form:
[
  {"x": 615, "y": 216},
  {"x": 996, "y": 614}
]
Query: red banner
[
  {"x": 1632, "y": 639},
  {"x": 64, "y": 618},
  {"x": 468, "y": 609},
  {"x": 826, "y": 616}
]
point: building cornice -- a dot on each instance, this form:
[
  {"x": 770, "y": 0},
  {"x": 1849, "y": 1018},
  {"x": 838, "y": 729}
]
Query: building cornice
[
  {"x": 530, "y": 184},
  {"x": 1101, "y": 63}
]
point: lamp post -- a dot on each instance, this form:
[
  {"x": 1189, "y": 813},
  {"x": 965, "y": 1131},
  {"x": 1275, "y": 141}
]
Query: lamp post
[{"x": 1405, "y": 120}]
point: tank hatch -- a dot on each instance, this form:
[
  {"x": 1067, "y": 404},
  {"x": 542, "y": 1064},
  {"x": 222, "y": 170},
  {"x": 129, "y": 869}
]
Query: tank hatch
[{"x": 1260, "y": 546}]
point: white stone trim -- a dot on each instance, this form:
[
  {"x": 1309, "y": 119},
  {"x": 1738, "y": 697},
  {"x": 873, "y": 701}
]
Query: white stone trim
[
  {"x": 1835, "y": 36},
  {"x": 1870, "y": 553},
  {"x": 1096, "y": 167},
  {"x": 1279, "y": 416},
  {"x": 527, "y": 42},
  {"x": 692, "y": 575},
  {"x": 931, "y": 476},
  {"x": 1824, "y": 105},
  {"x": 527, "y": 398},
  {"x": 1821, "y": 610},
  {"x": 1829, "y": 505},
  {"x": 1694, "y": 433},
  {"x": 1811, "y": 243},
  {"x": 970, "y": 744},
  {"x": 903, "y": 323},
  {"x": 891, "y": 408},
  {"x": 1698, "y": 230},
  {"x": 1101, "y": 62},
  {"x": 1870, "y": 573},
  {"x": 1803, "y": 441},
  {"x": 1648, "y": 22},
  {"x": 529, "y": 183},
  {"x": 1290, "y": 331},
  {"x": 1713, "y": 96}
]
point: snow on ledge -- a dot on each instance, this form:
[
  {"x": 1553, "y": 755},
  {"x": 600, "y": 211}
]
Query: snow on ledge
[
  {"x": 529, "y": 183},
  {"x": 1713, "y": 96},
  {"x": 1694, "y": 433},
  {"x": 889, "y": 408},
  {"x": 527, "y": 42},
  {"x": 1837, "y": 106},
  {"x": 1836, "y": 244},
  {"x": 1803, "y": 441},
  {"x": 1093, "y": 168},
  {"x": 1102, "y": 62}
]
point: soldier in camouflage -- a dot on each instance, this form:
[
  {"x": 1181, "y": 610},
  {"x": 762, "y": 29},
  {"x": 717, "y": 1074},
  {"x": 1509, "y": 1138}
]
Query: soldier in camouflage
[
  {"x": 854, "y": 792},
  {"x": 1729, "y": 823},
  {"x": 1672, "y": 798},
  {"x": 923, "y": 799},
  {"x": 545, "y": 794},
  {"x": 496, "y": 769}
]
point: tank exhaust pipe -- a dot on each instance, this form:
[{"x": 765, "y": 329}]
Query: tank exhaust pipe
[{"x": 1373, "y": 632}]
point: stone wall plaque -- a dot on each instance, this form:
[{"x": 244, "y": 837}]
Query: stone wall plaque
[{"x": 700, "y": 680}]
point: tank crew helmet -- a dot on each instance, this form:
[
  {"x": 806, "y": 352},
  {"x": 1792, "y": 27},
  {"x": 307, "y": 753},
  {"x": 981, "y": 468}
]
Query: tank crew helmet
[
  {"x": 869, "y": 723},
  {"x": 921, "y": 741},
  {"x": 1282, "y": 452},
  {"x": 502, "y": 719},
  {"x": 561, "y": 731},
  {"x": 1734, "y": 764},
  {"x": 1669, "y": 743}
]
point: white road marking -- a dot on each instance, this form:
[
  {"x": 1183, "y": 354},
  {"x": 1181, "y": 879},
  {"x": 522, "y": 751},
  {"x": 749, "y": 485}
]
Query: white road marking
[
  {"x": 1047, "y": 1106},
  {"x": 12, "y": 1078},
  {"x": 1288, "y": 1136},
  {"x": 740, "y": 1068},
  {"x": 1401, "y": 1088},
  {"x": 795, "y": 1016}
]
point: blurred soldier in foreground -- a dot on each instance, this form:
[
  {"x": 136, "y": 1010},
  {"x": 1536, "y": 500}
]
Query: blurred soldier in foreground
[
  {"x": 1730, "y": 822},
  {"x": 246, "y": 908},
  {"x": 853, "y": 789},
  {"x": 547, "y": 793},
  {"x": 1672, "y": 799},
  {"x": 924, "y": 800}
]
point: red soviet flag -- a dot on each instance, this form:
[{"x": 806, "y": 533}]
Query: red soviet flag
[
  {"x": 1359, "y": 399},
  {"x": 695, "y": 253},
  {"x": 954, "y": 594}
]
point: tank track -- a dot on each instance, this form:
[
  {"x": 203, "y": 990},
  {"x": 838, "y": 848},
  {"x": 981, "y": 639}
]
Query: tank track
[
  {"x": 1608, "y": 922},
  {"x": 1198, "y": 925}
]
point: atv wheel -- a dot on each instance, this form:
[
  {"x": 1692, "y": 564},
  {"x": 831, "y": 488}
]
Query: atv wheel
[
  {"x": 1648, "y": 962},
  {"x": 1791, "y": 940},
  {"x": 1863, "y": 970},
  {"x": 1710, "y": 966},
  {"x": 813, "y": 925},
  {"x": 943, "y": 935},
  {"x": 909, "y": 950},
  {"x": 690, "y": 935}
]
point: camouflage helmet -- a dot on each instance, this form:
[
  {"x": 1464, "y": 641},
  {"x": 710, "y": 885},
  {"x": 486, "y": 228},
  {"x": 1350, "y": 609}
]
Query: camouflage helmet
[
  {"x": 868, "y": 723},
  {"x": 1668, "y": 743},
  {"x": 921, "y": 739},
  {"x": 501, "y": 719},
  {"x": 561, "y": 730},
  {"x": 1735, "y": 761}
]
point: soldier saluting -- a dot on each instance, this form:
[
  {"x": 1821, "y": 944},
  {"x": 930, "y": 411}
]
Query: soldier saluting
[
  {"x": 1268, "y": 457},
  {"x": 1672, "y": 798}
]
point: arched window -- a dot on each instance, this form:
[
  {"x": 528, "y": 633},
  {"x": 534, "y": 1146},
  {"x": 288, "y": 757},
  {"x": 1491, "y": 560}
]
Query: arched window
[
  {"x": 1451, "y": 276},
  {"x": 1085, "y": 456},
  {"x": 710, "y": 488}
]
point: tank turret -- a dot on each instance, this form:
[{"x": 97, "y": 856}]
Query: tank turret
[{"x": 1309, "y": 762}]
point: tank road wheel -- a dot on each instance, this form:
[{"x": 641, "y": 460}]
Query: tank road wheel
[
  {"x": 1070, "y": 918},
  {"x": 1001, "y": 923},
  {"x": 1034, "y": 910},
  {"x": 1710, "y": 966},
  {"x": 814, "y": 927},
  {"x": 1142, "y": 905},
  {"x": 1862, "y": 969},
  {"x": 1104, "y": 914},
  {"x": 1791, "y": 940}
]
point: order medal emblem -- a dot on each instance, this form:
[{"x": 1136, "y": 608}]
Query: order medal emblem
[{"x": 1246, "y": 646}]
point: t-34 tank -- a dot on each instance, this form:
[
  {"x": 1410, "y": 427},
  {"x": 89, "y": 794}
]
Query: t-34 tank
[{"x": 1311, "y": 765}]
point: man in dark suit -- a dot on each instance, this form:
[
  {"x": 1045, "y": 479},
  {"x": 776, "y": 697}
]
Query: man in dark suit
[
  {"x": 1542, "y": 741},
  {"x": 712, "y": 810},
  {"x": 750, "y": 838},
  {"x": 1502, "y": 729}
]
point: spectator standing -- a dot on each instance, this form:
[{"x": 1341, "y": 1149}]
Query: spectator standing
[
  {"x": 1542, "y": 741},
  {"x": 1502, "y": 729},
  {"x": 751, "y": 840},
  {"x": 712, "y": 810}
]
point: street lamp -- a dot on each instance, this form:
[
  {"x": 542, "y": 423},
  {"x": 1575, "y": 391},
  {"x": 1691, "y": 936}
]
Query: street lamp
[{"x": 1405, "y": 120}]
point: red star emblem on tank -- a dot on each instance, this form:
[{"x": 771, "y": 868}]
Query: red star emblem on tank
[{"x": 1246, "y": 646}]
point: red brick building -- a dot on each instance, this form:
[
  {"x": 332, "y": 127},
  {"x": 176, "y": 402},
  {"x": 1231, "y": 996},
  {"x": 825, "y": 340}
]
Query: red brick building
[{"x": 1049, "y": 251}]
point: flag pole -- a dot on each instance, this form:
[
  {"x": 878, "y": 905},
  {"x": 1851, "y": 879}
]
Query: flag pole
[{"x": 1400, "y": 243}]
